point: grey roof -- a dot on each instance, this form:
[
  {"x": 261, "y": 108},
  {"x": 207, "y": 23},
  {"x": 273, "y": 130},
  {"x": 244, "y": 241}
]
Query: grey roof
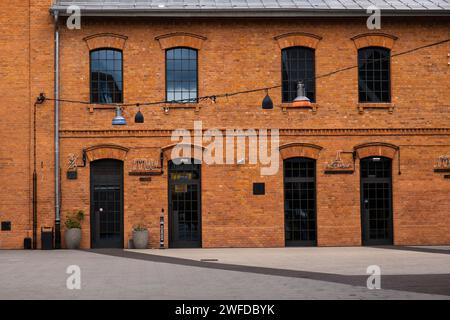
[{"x": 252, "y": 8}]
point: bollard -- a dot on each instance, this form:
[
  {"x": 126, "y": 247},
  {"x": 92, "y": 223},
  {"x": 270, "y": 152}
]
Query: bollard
[{"x": 161, "y": 230}]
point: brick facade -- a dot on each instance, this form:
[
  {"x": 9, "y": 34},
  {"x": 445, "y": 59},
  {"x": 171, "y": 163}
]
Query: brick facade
[{"x": 233, "y": 55}]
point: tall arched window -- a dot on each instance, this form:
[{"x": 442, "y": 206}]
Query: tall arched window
[
  {"x": 374, "y": 74},
  {"x": 106, "y": 76},
  {"x": 181, "y": 75},
  {"x": 298, "y": 64}
]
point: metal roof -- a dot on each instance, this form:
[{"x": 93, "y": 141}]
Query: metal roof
[{"x": 252, "y": 8}]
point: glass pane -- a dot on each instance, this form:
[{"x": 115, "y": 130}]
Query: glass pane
[
  {"x": 106, "y": 76},
  {"x": 374, "y": 74},
  {"x": 181, "y": 75},
  {"x": 298, "y": 64}
]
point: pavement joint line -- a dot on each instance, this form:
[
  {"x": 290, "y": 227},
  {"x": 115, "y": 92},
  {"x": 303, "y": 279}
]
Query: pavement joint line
[
  {"x": 416, "y": 249},
  {"x": 419, "y": 283}
]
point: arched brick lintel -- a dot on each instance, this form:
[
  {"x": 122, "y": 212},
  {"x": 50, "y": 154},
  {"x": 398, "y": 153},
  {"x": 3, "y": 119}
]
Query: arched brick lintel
[
  {"x": 180, "y": 39},
  {"x": 302, "y": 150},
  {"x": 106, "y": 151},
  {"x": 374, "y": 40},
  {"x": 188, "y": 151},
  {"x": 298, "y": 39},
  {"x": 106, "y": 40},
  {"x": 376, "y": 149}
]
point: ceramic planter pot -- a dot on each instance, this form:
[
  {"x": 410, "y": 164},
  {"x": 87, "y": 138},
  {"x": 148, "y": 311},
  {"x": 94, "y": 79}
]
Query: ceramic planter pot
[
  {"x": 140, "y": 239},
  {"x": 73, "y": 238}
]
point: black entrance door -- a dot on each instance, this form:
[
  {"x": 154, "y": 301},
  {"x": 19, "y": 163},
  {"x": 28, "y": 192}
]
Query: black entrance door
[
  {"x": 184, "y": 205},
  {"x": 107, "y": 204},
  {"x": 376, "y": 201},
  {"x": 300, "y": 201}
]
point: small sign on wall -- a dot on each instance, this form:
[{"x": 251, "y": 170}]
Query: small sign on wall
[
  {"x": 6, "y": 225},
  {"x": 72, "y": 175},
  {"x": 145, "y": 167},
  {"x": 259, "y": 188}
]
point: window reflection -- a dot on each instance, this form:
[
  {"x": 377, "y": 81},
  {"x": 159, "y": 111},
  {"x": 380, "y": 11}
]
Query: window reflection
[
  {"x": 298, "y": 64},
  {"x": 181, "y": 75},
  {"x": 106, "y": 76}
]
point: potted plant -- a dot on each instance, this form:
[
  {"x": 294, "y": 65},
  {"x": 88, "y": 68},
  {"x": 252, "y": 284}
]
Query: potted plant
[
  {"x": 140, "y": 236},
  {"x": 73, "y": 229}
]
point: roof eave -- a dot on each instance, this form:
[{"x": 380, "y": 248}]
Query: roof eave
[{"x": 243, "y": 13}]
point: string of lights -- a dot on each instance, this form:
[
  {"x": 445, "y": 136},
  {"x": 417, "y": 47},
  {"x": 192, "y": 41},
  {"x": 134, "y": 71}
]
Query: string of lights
[{"x": 214, "y": 97}]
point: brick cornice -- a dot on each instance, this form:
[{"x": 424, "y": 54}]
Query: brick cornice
[
  {"x": 167, "y": 150},
  {"x": 294, "y": 39},
  {"x": 294, "y": 150},
  {"x": 374, "y": 39},
  {"x": 283, "y": 132},
  {"x": 180, "y": 39},
  {"x": 371, "y": 149},
  {"x": 105, "y": 40},
  {"x": 106, "y": 151}
]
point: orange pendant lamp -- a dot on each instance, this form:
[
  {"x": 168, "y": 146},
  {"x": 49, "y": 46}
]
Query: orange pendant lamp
[{"x": 301, "y": 100}]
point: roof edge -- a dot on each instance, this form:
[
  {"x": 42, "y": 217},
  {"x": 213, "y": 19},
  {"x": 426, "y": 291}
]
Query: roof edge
[{"x": 244, "y": 12}]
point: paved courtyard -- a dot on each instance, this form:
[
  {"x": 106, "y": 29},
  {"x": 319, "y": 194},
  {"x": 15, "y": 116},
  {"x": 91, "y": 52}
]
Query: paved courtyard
[{"x": 278, "y": 273}]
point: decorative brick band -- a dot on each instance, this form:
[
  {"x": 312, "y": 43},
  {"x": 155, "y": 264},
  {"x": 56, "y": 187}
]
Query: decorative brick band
[
  {"x": 180, "y": 39},
  {"x": 106, "y": 40},
  {"x": 89, "y": 133},
  {"x": 106, "y": 151},
  {"x": 372, "y": 149},
  {"x": 295, "y": 39},
  {"x": 305, "y": 150},
  {"x": 374, "y": 40}
]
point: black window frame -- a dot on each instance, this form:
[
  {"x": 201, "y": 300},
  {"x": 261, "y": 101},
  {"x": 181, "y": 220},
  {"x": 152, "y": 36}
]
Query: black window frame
[
  {"x": 193, "y": 100},
  {"x": 91, "y": 80},
  {"x": 310, "y": 84},
  {"x": 380, "y": 99}
]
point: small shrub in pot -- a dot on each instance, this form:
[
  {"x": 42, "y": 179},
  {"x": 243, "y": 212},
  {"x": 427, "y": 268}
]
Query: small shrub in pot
[
  {"x": 73, "y": 229},
  {"x": 140, "y": 236}
]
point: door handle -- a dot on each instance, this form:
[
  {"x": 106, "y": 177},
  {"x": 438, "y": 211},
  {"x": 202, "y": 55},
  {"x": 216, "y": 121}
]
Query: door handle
[{"x": 366, "y": 204}]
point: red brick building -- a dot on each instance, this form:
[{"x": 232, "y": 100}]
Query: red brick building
[{"x": 365, "y": 163}]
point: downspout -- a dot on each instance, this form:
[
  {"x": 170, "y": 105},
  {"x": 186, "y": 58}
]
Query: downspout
[{"x": 57, "y": 176}]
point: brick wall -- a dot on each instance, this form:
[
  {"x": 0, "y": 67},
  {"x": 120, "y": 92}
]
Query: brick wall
[{"x": 233, "y": 55}]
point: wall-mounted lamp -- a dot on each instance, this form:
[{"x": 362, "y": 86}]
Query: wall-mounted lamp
[{"x": 40, "y": 99}]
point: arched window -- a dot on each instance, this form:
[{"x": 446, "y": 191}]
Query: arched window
[
  {"x": 298, "y": 64},
  {"x": 106, "y": 76},
  {"x": 374, "y": 73},
  {"x": 181, "y": 75}
]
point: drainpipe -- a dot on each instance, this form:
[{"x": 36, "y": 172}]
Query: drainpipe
[{"x": 57, "y": 176}]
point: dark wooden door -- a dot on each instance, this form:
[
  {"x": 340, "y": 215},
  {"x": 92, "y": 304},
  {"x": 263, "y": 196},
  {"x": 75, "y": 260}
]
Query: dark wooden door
[
  {"x": 107, "y": 204},
  {"x": 184, "y": 206}
]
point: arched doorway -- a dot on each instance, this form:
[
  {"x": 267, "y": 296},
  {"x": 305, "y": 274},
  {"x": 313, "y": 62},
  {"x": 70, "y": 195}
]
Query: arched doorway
[
  {"x": 185, "y": 204},
  {"x": 106, "y": 203},
  {"x": 300, "y": 201},
  {"x": 376, "y": 201}
]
